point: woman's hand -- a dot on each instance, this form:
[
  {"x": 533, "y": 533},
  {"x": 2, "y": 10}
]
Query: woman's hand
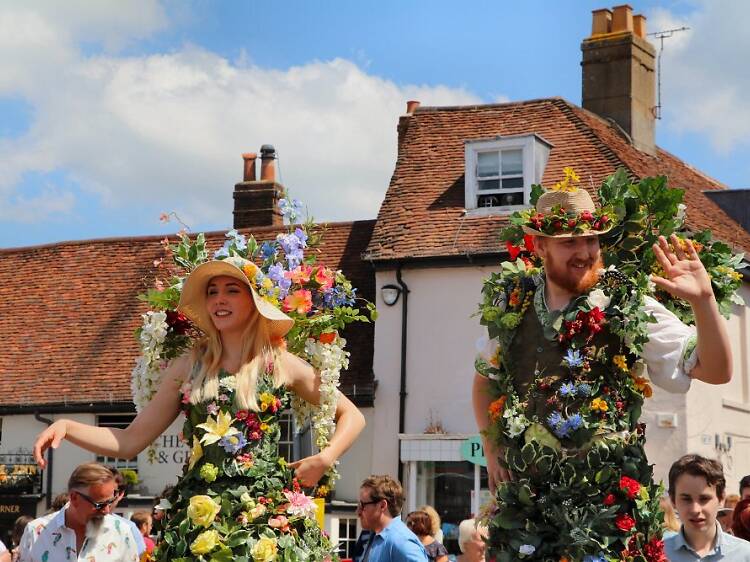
[
  {"x": 50, "y": 437},
  {"x": 310, "y": 470}
]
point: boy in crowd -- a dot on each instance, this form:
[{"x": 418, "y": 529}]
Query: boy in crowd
[{"x": 696, "y": 488}]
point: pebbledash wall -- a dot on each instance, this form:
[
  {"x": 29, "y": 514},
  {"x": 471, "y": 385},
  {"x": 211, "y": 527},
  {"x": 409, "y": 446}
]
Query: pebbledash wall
[{"x": 710, "y": 420}]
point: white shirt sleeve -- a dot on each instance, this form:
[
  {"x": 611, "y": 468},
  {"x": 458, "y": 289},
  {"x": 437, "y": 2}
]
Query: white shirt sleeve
[{"x": 670, "y": 353}]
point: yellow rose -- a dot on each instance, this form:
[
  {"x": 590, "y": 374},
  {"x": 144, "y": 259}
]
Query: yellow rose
[
  {"x": 202, "y": 510},
  {"x": 264, "y": 550},
  {"x": 205, "y": 542}
]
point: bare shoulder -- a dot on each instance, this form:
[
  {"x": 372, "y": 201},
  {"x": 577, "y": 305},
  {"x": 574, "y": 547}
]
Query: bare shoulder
[
  {"x": 297, "y": 369},
  {"x": 178, "y": 370}
]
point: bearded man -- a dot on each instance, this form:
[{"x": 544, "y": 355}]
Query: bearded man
[{"x": 560, "y": 384}]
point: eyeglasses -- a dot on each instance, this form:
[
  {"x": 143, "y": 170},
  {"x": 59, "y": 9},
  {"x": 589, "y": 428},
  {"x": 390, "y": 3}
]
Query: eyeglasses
[
  {"x": 361, "y": 504},
  {"x": 97, "y": 505}
]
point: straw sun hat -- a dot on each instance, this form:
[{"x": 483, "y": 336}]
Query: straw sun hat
[
  {"x": 563, "y": 214},
  {"x": 193, "y": 297}
]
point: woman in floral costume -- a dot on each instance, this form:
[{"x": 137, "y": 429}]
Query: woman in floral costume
[
  {"x": 561, "y": 380},
  {"x": 237, "y": 499}
]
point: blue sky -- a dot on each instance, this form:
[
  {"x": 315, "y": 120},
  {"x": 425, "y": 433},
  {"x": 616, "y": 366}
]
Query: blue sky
[{"x": 111, "y": 113}]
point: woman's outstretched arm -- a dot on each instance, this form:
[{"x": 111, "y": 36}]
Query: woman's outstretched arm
[
  {"x": 305, "y": 383},
  {"x": 121, "y": 443}
]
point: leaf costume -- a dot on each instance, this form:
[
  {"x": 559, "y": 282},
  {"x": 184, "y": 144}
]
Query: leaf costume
[
  {"x": 568, "y": 386},
  {"x": 237, "y": 498}
]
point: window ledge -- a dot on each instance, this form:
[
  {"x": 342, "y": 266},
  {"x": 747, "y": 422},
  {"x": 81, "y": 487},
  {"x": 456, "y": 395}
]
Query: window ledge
[
  {"x": 732, "y": 405},
  {"x": 494, "y": 211}
]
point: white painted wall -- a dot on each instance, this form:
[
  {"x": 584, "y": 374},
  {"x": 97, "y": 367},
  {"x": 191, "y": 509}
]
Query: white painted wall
[
  {"x": 356, "y": 463},
  {"x": 440, "y": 356}
]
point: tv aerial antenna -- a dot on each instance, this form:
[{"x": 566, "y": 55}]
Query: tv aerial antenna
[{"x": 661, "y": 36}]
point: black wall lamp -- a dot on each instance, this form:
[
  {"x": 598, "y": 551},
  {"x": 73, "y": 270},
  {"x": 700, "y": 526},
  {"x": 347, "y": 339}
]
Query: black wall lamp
[{"x": 390, "y": 294}]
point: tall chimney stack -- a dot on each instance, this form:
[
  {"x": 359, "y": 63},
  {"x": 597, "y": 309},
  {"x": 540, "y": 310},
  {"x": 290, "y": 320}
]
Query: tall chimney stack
[
  {"x": 618, "y": 74},
  {"x": 256, "y": 201}
]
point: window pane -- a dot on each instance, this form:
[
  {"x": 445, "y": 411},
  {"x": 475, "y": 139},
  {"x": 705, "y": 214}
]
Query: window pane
[
  {"x": 488, "y": 184},
  {"x": 507, "y": 199},
  {"x": 512, "y": 162},
  {"x": 488, "y": 201},
  {"x": 512, "y": 183},
  {"x": 488, "y": 164}
]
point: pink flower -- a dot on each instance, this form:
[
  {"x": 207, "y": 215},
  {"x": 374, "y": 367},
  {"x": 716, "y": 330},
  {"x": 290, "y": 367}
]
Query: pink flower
[
  {"x": 300, "y": 275},
  {"x": 279, "y": 522},
  {"x": 325, "y": 278},
  {"x": 300, "y": 504}
]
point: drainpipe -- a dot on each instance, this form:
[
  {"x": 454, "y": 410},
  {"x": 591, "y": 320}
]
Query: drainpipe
[
  {"x": 402, "y": 393},
  {"x": 50, "y": 458}
]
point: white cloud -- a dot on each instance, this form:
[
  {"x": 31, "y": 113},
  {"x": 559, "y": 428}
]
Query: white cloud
[
  {"x": 170, "y": 128},
  {"x": 704, "y": 82}
]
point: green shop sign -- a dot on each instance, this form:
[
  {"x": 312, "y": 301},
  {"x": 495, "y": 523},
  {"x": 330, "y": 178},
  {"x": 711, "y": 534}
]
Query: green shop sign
[{"x": 473, "y": 451}]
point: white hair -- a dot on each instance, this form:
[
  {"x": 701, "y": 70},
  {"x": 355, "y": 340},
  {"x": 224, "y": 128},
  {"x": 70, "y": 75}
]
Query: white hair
[{"x": 466, "y": 530}]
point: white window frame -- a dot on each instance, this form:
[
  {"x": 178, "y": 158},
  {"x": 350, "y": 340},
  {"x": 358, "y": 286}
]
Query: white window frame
[
  {"x": 334, "y": 531},
  {"x": 534, "y": 155}
]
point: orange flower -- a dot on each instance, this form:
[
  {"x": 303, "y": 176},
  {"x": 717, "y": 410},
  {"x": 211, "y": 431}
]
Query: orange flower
[
  {"x": 325, "y": 277},
  {"x": 300, "y": 275},
  {"x": 496, "y": 408},
  {"x": 327, "y": 337},
  {"x": 641, "y": 383},
  {"x": 250, "y": 270},
  {"x": 515, "y": 299},
  {"x": 300, "y": 300}
]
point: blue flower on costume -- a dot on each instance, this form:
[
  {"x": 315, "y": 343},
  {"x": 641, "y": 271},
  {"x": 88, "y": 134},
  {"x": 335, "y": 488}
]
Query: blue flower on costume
[
  {"x": 572, "y": 423},
  {"x": 554, "y": 420},
  {"x": 233, "y": 444},
  {"x": 267, "y": 250},
  {"x": 592, "y": 558},
  {"x": 584, "y": 389},
  {"x": 568, "y": 389},
  {"x": 573, "y": 358}
]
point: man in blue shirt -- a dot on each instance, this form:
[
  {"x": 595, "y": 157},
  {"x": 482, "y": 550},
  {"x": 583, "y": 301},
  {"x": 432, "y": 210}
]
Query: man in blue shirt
[
  {"x": 380, "y": 501},
  {"x": 696, "y": 488}
]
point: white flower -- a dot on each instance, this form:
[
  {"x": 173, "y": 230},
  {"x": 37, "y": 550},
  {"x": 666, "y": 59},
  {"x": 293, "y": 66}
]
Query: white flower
[
  {"x": 230, "y": 382},
  {"x": 597, "y": 298},
  {"x": 681, "y": 208},
  {"x": 526, "y": 549},
  {"x": 164, "y": 505},
  {"x": 487, "y": 349}
]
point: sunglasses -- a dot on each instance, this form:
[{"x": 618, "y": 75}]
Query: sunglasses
[
  {"x": 362, "y": 504},
  {"x": 97, "y": 505}
]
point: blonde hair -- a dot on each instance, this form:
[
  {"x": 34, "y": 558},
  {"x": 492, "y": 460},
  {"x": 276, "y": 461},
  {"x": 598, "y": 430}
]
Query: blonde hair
[
  {"x": 671, "y": 522},
  {"x": 434, "y": 518},
  {"x": 256, "y": 355}
]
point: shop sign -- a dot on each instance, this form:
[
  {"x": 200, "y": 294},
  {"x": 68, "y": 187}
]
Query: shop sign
[{"x": 472, "y": 450}]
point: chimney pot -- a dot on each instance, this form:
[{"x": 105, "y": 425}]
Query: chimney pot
[
  {"x": 622, "y": 18},
  {"x": 639, "y": 26},
  {"x": 601, "y": 21},
  {"x": 249, "y": 169},
  {"x": 267, "y": 166},
  {"x": 411, "y": 106}
]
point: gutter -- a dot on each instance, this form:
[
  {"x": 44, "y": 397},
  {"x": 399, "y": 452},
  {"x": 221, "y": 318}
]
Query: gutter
[
  {"x": 402, "y": 392},
  {"x": 68, "y": 408},
  {"x": 50, "y": 459}
]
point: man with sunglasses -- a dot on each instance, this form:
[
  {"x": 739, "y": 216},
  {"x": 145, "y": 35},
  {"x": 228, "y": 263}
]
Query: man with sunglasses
[
  {"x": 379, "y": 508},
  {"x": 85, "y": 528}
]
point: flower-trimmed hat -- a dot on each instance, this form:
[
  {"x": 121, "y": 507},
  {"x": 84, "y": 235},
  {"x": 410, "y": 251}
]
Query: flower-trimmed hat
[
  {"x": 193, "y": 297},
  {"x": 566, "y": 210}
]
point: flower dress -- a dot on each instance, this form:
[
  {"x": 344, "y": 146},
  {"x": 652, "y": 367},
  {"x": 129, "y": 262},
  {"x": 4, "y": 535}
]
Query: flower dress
[
  {"x": 237, "y": 499},
  {"x": 568, "y": 391}
]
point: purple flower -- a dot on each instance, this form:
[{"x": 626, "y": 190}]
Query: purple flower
[
  {"x": 276, "y": 273},
  {"x": 573, "y": 422},
  {"x": 301, "y": 236},
  {"x": 554, "y": 420},
  {"x": 573, "y": 358},
  {"x": 233, "y": 444},
  {"x": 290, "y": 209}
]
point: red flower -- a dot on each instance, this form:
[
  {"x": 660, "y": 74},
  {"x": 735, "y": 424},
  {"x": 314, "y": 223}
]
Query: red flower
[
  {"x": 609, "y": 499},
  {"x": 586, "y": 216},
  {"x": 178, "y": 322},
  {"x": 528, "y": 241},
  {"x": 624, "y": 522},
  {"x": 630, "y": 487},
  {"x": 654, "y": 550},
  {"x": 572, "y": 223},
  {"x": 557, "y": 225},
  {"x": 513, "y": 251}
]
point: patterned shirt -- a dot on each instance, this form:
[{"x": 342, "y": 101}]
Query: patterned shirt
[{"x": 47, "y": 539}]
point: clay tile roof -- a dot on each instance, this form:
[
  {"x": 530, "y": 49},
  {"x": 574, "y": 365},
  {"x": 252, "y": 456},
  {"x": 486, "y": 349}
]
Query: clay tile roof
[
  {"x": 68, "y": 312},
  {"x": 422, "y": 214}
]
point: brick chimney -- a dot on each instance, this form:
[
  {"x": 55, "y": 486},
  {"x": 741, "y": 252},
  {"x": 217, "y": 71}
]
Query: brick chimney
[
  {"x": 256, "y": 201},
  {"x": 618, "y": 74}
]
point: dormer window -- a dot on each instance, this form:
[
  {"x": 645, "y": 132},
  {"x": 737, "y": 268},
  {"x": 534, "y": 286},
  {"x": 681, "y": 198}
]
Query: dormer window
[{"x": 501, "y": 171}]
